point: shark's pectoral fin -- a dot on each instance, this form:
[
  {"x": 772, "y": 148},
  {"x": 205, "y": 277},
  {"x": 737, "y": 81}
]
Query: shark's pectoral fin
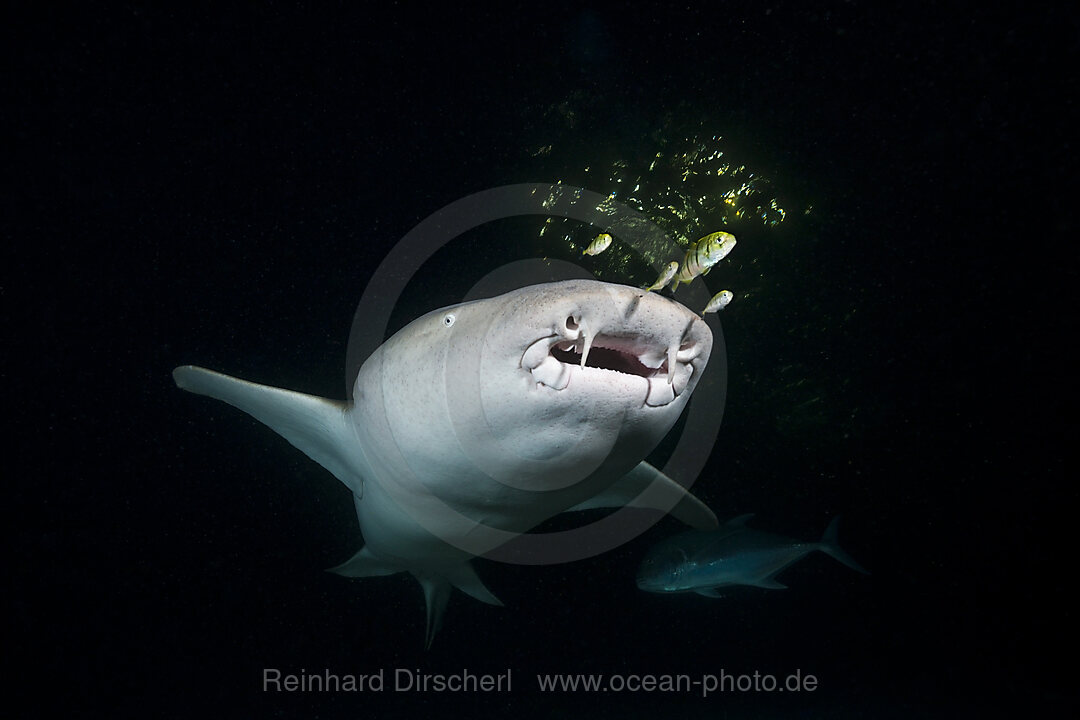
[
  {"x": 314, "y": 425},
  {"x": 708, "y": 592},
  {"x": 365, "y": 564},
  {"x": 648, "y": 488},
  {"x": 465, "y": 579},
  {"x": 767, "y": 583}
]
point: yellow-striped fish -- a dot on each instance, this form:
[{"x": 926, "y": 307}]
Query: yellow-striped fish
[
  {"x": 599, "y": 245},
  {"x": 702, "y": 255},
  {"x": 665, "y": 277},
  {"x": 719, "y": 301}
]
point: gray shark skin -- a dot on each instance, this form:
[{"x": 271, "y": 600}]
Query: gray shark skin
[
  {"x": 703, "y": 561},
  {"x": 479, "y": 421}
]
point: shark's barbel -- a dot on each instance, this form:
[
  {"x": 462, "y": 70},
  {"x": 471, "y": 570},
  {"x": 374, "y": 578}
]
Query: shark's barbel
[{"x": 478, "y": 422}]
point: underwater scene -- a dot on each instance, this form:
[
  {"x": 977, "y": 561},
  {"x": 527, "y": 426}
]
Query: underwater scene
[{"x": 546, "y": 362}]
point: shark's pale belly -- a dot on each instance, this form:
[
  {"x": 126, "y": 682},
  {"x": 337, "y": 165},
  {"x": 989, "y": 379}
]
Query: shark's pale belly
[{"x": 477, "y": 422}]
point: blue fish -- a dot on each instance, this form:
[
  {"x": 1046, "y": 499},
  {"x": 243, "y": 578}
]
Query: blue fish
[{"x": 703, "y": 560}]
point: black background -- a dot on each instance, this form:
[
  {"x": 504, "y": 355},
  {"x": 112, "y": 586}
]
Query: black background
[{"x": 217, "y": 186}]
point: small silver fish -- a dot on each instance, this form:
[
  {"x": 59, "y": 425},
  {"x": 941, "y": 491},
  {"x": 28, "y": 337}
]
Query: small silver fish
[
  {"x": 719, "y": 301},
  {"x": 665, "y": 276},
  {"x": 702, "y": 255},
  {"x": 599, "y": 245}
]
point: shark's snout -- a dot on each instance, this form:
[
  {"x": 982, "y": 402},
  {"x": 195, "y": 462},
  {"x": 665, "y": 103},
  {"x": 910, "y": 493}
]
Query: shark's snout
[{"x": 626, "y": 332}]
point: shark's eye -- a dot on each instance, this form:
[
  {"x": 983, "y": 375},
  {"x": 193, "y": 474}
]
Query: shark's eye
[{"x": 448, "y": 319}]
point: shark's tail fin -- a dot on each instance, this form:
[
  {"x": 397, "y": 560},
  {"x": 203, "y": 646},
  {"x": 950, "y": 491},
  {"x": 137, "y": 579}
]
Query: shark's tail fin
[
  {"x": 830, "y": 545},
  {"x": 435, "y": 582}
]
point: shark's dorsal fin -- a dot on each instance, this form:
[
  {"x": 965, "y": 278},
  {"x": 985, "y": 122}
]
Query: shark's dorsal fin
[
  {"x": 646, "y": 487},
  {"x": 315, "y": 425},
  {"x": 365, "y": 564}
]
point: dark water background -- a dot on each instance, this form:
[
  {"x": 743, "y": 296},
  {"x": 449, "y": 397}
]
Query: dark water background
[{"x": 217, "y": 189}]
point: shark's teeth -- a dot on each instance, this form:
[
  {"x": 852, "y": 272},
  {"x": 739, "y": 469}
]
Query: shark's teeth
[
  {"x": 661, "y": 392},
  {"x": 642, "y": 357},
  {"x": 552, "y": 373},
  {"x": 651, "y": 358}
]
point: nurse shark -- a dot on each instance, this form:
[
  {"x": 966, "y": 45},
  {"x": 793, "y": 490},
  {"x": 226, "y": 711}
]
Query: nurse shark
[{"x": 479, "y": 421}]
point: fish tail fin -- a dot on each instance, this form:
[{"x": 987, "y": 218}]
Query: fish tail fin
[
  {"x": 830, "y": 545},
  {"x": 436, "y": 583}
]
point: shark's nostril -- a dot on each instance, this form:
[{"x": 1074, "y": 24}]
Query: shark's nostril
[{"x": 571, "y": 323}]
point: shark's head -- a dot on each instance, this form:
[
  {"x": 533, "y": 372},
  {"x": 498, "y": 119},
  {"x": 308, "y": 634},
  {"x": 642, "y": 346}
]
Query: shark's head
[
  {"x": 549, "y": 383},
  {"x": 588, "y": 342}
]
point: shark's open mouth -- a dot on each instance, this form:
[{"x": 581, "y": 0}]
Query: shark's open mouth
[
  {"x": 605, "y": 358},
  {"x": 665, "y": 368}
]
